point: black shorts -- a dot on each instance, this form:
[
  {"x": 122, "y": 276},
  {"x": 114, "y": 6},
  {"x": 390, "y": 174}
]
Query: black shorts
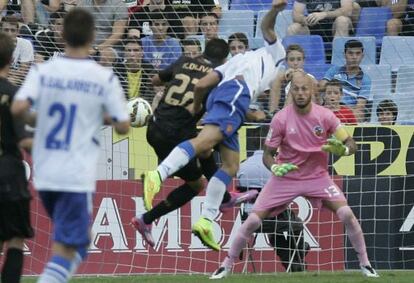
[
  {"x": 15, "y": 220},
  {"x": 163, "y": 146}
]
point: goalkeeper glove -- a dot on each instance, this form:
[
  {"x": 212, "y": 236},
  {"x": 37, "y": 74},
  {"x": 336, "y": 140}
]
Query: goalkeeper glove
[
  {"x": 336, "y": 147},
  {"x": 281, "y": 170}
]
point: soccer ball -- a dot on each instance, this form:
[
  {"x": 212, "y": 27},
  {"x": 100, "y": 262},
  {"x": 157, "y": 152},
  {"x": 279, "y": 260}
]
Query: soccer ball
[{"x": 139, "y": 109}]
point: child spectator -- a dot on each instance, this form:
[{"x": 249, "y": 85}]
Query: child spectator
[
  {"x": 355, "y": 83},
  {"x": 191, "y": 47},
  {"x": 332, "y": 98},
  {"x": 387, "y": 112},
  {"x": 209, "y": 26},
  {"x": 238, "y": 43}
]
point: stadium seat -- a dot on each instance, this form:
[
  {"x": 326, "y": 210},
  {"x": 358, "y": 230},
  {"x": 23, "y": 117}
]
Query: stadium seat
[
  {"x": 370, "y": 50},
  {"x": 313, "y": 46},
  {"x": 283, "y": 20},
  {"x": 224, "y": 4},
  {"x": 237, "y": 21},
  {"x": 404, "y": 93},
  {"x": 373, "y": 22},
  {"x": 397, "y": 51},
  {"x": 381, "y": 85},
  {"x": 254, "y": 5},
  {"x": 318, "y": 71}
]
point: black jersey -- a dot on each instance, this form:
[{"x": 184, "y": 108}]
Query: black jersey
[
  {"x": 172, "y": 114},
  {"x": 10, "y": 134}
]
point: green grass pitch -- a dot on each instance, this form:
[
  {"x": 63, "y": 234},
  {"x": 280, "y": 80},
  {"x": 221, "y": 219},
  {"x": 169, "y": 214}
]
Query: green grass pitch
[{"x": 337, "y": 277}]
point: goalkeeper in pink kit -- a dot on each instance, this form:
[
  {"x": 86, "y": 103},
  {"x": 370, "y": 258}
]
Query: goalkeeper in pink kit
[{"x": 301, "y": 135}]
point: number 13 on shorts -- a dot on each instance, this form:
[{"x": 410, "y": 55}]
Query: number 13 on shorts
[{"x": 332, "y": 191}]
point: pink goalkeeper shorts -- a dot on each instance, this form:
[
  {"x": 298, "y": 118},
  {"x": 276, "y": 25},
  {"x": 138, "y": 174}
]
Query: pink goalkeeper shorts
[{"x": 279, "y": 192}]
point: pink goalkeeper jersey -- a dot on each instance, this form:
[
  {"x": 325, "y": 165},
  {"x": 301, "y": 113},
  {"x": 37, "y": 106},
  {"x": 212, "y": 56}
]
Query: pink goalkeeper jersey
[{"x": 300, "y": 138}]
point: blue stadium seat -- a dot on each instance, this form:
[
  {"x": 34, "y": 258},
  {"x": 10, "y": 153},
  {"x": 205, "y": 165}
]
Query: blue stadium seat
[
  {"x": 370, "y": 50},
  {"x": 318, "y": 71},
  {"x": 254, "y": 5},
  {"x": 404, "y": 93},
  {"x": 313, "y": 46},
  {"x": 373, "y": 22},
  {"x": 237, "y": 21},
  {"x": 397, "y": 51},
  {"x": 283, "y": 21}
]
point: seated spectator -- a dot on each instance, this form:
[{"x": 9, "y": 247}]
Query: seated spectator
[
  {"x": 188, "y": 14},
  {"x": 23, "y": 9},
  {"x": 135, "y": 74},
  {"x": 49, "y": 42},
  {"x": 23, "y": 54},
  {"x": 107, "y": 57},
  {"x": 324, "y": 18},
  {"x": 110, "y": 19},
  {"x": 238, "y": 43},
  {"x": 160, "y": 50},
  {"x": 398, "y": 9},
  {"x": 355, "y": 83},
  {"x": 191, "y": 48},
  {"x": 295, "y": 60},
  {"x": 209, "y": 26},
  {"x": 332, "y": 101},
  {"x": 387, "y": 112},
  {"x": 142, "y": 20}
]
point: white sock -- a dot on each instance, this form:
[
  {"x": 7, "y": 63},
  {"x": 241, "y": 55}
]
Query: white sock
[
  {"x": 177, "y": 159},
  {"x": 214, "y": 195}
]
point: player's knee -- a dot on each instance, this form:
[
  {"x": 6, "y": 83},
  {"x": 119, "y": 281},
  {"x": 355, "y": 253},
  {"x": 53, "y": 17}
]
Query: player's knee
[{"x": 16, "y": 243}]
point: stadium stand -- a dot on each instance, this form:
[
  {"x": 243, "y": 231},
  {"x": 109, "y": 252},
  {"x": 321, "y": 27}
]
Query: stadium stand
[
  {"x": 373, "y": 22},
  {"x": 237, "y": 21},
  {"x": 397, "y": 51},
  {"x": 283, "y": 20}
]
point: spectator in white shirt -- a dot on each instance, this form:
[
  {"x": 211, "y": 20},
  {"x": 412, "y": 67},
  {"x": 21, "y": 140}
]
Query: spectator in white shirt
[{"x": 23, "y": 54}]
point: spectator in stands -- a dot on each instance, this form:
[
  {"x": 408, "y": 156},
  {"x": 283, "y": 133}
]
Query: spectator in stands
[
  {"x": 134, "y": 73},
  {"x": 49, "y": 42},
  {"x": 189, "y": 12},
  {"x": 20, "y": 8},
  {"x": 238, "y": 43},
  {"x": 387, "y": 112},
  {"x": 332, "y": 99},
  {"x": 107, "y": 57},
  {"x": 110, "y": 17},
  {"x": 355, "y": 83},
  {"x": 23, "y": 54},
  {"x": 142, "y": 20},
  {"x": 295, "y": 60},
  {"x": 191, "y": 47},
  {"x": 209, "y": 26},
  {"x": 398, "y": 9},
  {"x": 160, "y": 49},
  {"x": 325, "y": 18}
]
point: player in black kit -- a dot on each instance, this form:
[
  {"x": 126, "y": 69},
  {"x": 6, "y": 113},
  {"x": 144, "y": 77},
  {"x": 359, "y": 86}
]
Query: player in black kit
[
  {"x": 14, "y": 194},
  {"x": 172, "y": 123}
]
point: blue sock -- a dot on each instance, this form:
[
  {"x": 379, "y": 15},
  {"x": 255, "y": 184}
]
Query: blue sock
[
  {"x": 177, "y": 159},
  {"x": 216, "y": 188},
  {"x": 57, "y": 270}
]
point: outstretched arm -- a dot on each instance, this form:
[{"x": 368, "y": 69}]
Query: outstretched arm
[{"x": 268, "y": 22}]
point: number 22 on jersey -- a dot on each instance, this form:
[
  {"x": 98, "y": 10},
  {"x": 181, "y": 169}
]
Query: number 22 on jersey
[{"x": 60, "y": 136}]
